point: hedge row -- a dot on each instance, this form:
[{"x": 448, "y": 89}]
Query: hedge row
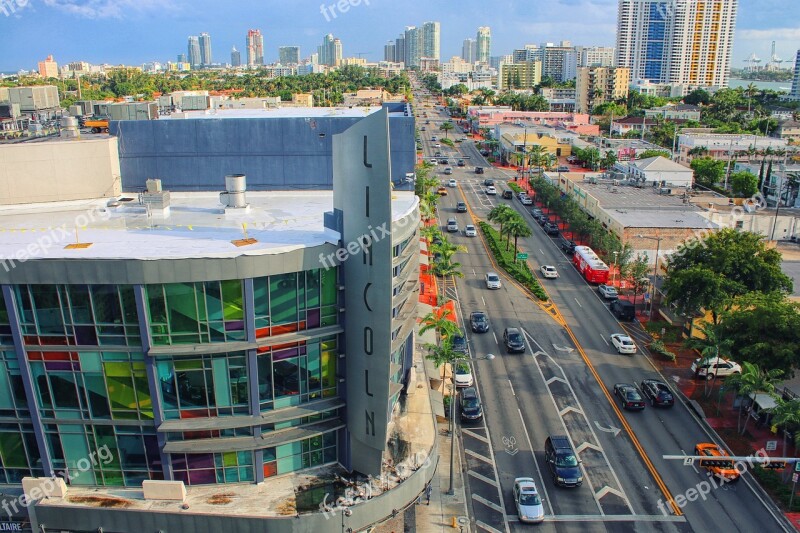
[
  {"x": 514, "y": 187},
  {"x": 519, "y": 270}
]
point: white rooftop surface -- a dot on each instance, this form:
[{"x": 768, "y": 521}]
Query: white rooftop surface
[
  {"x": 655, "y": 218},
  {"x": 197, "y": 227},
  {"x": 280, "y": 112}
]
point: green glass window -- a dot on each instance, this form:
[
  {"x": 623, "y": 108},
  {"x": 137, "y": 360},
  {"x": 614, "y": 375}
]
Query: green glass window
[{"x": 283, "y": 298}]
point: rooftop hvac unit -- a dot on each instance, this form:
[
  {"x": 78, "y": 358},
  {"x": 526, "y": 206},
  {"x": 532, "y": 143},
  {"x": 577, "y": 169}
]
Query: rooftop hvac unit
[
  {"x": 664, "y": 191},
  {"x": 235, "y": 192},
  {"x": 69, "y": 128}
]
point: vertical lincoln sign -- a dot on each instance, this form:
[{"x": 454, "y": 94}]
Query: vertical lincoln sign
[{"x": 362, "y": 196}]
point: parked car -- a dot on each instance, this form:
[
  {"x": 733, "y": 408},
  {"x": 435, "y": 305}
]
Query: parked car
[
  {"x": 658, "y": 392},
  {"x": 471, "y": 408},
  {"x": 623, "y": 310},
  {"x": 623, "y": 344},
  {"x": 459, "y": 343},
  {"x": 712, "y": 367},
  {"x": 718, "y": 462},
  {"x": 485, "y": 153},
  {"x": 492, "y": 280},
  {"x": 478, "y": 170},
  {"x": 512, "y": 338},
  {"x": 628, "y": 396},
  {"x": 478, "y": 322},
  {"x": 536, "y": 212},
  {"x": 549, "y": 271},
  {"x": 607, "y": 291},
  {"x": 527, "y": 500},
  {"x": 564, "y": 465},
  {"x": 463, "y": 375},
  {"x": 487, "y": 182},
  {"x": 567, "y": 245},
  {"x": 562, "y": 168},
  {"x": 551, "y": 228},
  {"x": 491, "y": 191},
  {"x": 470, "y": 231},
  {"x": 461, "y": 207},
  {"x": 452, "y": 225},
  {"x": 525, "y": 199},
  {"x": 508, "y": 194},
  {"x": 544, "y": 219}
]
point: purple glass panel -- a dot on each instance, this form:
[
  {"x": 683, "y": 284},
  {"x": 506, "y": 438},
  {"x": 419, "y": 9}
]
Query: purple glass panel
[
  {"x": 312, "y": 318},
  {"x": 181, "y": 476},
  {"x": 58, "y": 365},
  {"x": 284, "y": 354},
  {"x": 234, "y": 325},
  {"x": 202, "y": 477},
  {"x": 86, "y": 335},
  {"x": 151, "y": 449},
  {"x": 200, "y": 460},
  {"x": 178, "y": 461}
]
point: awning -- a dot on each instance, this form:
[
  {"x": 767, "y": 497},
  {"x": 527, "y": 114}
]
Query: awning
[{"x": 763, "y": 401}]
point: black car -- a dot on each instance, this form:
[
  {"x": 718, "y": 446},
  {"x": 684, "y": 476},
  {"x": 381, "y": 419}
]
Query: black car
[
  {"x": 459, "y": 343},
  {"x": 487, "y": 182},
  {"x": 658, "y": 392},
  {"x": 484, "y": 153},
  {"x": 478, "y": 170},
  {"x": 564, "y": 465},
  {"x": 512, "y": 338},
  {"x": 471, "y": 408},
  {"x": 544, "y": 219},
  {"x": 623, "y": 310},
  {"x": 461, "y": 207},
  {"x": 536, "y": 212},
  {"x": 508, "y": 194},
  {"x": 461, "y": 163},
  {"x": 567, "y": 245},
  {"x": 628, "y": 396},
  {"x": 479, "y": 322},
  {"x": 551, "y": 228}
]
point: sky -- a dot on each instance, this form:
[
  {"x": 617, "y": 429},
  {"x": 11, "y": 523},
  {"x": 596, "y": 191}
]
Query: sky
[{"x": 133, "y": 32}]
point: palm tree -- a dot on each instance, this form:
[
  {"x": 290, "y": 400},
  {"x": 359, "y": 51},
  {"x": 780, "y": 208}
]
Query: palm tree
[
  {"x": 517, "y": 227},
  {"x": 445, "y": 127},
  {"x": 448, "y": 249},
  {"x": 441, "y": 354},
  {"x": 445, "y": 268},
  {"x": 750, "y": 91},
  {"x": 710, "y": 345},
  {"x": 501, "y": 214},
  {"x": 538, "y": 156},
  {"x": 787, "y": 414},
  {"x": 440, "y": 321},
  {"x": 430, "y": 232},
  {"x": 752, "y": 380}
]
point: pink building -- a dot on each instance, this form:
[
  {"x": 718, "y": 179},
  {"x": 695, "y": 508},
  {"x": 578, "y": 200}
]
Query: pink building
[{"x": 489, "y": 116}]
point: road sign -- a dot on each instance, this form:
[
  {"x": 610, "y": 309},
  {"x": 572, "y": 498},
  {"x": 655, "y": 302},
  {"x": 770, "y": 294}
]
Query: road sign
[
  {"x": 522, "y": 256},
  {"x": 797, "y": 466},
  {"x": 688, "y": 461},
  {"x": 794, "y": 477},
  {"x": 772, "y": 445}
]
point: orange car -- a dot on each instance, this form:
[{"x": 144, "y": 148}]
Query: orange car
[
  {"x": 718, "y": 462},
  {"x": 442, "y": 191}
]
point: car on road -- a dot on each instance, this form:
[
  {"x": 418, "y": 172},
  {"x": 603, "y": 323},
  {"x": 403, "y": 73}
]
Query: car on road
[
  {"x": 448, "y": 170},
  {"x": 543, "y": 219},
  {"x": 492, "y": 280},
  {"x": 484, "y": 153},
  {"x": 459, "y": 343},
  {"x": 434, "y": 161},
  {"x": 464, "y": 375},
  {"x": 513, "y": 341},
  {"x": 451, "y": 183},
  {"x": 658, "y": 392},
  {"x": 551, "y": 228},
  {"x": 434, "y": 138},
  {"x": 718, "y": 462},
  {"x": 452, "y": 225},
  {"x": 628, "y": 396},
  {"x": 471, "y": 408},
  {"x": 491, "y": 191},
  {"x": 712, "y": 367},
  {"x": 527, "y": 500},
  {"x": 442, "y": 191},
  {"x": 508, "y": 194},
  {"x": 423, "y": 128},
  {"x": 549, "y": 271},
  {"x": 427, "y": 122},
  {"x": 536, "y": 212},
  {"x": 564, "y": 465},
  {"x": 437, "y": 145},
  {"x": 461, "y": 207},
  {"x": 487, "y": 182},
  {"x": 478, "y": 322},
  {"x": 525, "y": 199},
  {"x": 478, "y": 170},
  {"x": 567, "y": 245},
  {"x": 623, "y": 310},
  {"x": 623, "y": 343},
  {"x": 437, "y": 154},
  {"x": 608, "y": 291},
  {"x": 470, "y": 231},
  {"x": 461, "y": 163},
  {"x": 562, "y": 168}
]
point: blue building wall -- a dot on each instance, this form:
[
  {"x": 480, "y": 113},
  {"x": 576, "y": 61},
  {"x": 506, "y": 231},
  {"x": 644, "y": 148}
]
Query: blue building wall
[{"x": 275, "y": 153}]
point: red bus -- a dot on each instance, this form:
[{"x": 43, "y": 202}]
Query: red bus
[{"x": 589, "y": 265}]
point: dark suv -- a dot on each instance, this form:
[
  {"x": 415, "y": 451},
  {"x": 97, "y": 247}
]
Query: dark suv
[
  {"x": 623, "y": 310},
  {"x": 513, "y": 340},
  {"x": 478, "y": 322},
  {"x": 478, "y": 170},
  {"x": 470, "y": 405},
  {"x": 459, "y": 343},
  {"x": 461, "y": 207},
  {"x": 564, "y": 465},
  {"x": 567, "y": 245}
]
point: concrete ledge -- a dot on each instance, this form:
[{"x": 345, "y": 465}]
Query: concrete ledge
[
  {"x": 164, "y": 490},
  {"x": 36, "y": 488},
  {"x": 694, "y": 406}
]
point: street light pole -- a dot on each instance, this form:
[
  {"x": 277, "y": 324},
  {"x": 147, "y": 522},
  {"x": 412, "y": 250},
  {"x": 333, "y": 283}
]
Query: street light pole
[
  {"x": 614, "y": 272},
  {"x": 655, "y": 270}
]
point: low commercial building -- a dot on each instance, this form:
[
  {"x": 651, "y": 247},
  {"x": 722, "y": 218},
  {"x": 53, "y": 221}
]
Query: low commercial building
[
  {"x": 675, "y": 112},
  {"x": 788, "y": 129},
  {"x": 560, "y": 98},
  {"x": 724, "y": 146},
  {"x": 490, "y": 116},
  {"x": 517, "y": 139},
  {"x": 658, "y": 172}
]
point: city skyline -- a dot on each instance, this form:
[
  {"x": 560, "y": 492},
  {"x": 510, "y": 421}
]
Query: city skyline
[{"x": 584, "y": 22}]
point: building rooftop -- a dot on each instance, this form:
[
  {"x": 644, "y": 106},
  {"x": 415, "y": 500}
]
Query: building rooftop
[
  {"x": 197, "y": 227},
  {"x": 280, "y": 112},
  {"x": 688, "y": 217},
  {"x": 629, "y": 197},
  {"x": 659, "y": 163}
]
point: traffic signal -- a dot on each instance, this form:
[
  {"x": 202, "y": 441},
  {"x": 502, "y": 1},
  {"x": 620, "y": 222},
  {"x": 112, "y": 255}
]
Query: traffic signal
[
  {"x": 774, "y": 465},
  {"x": 719, "y": 463}
]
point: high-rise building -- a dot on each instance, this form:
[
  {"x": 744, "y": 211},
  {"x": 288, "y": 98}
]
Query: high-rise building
[
  {"x": 388, "y": 51},
  {"x": 596, "y": 56},
  {"x": 469, "y": 50},
  {"x": 194, "y": 51},
  {"x": 289, "y": 55},
  {"x": 182, "y": 58},
  {"x": 414, "y": 46},
  {"x": 431, "y": 35},
  {"x": 558, "y": 61},
  {"x": 525, "y": 75},
  {"x": 484, "y": 44},
  {"x": 236, "y": 58},
  {"x": 400, "y": 49},
  {"x": 330, "y": 51},
  {"x": 205, "y": 49},
  {"x": 255, "y": 48},
  {"x": 682, "y": 43},
  {"x": 795, "y": 94},
  {"x": 48, "y": 68},
  {"x": 598, "y": 85}
]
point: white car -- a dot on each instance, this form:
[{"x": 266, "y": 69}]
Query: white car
[
  {"x": 491, "y": 191},
  {"x": 492, "y": 280},
  {"x": 527, "y": 499},
  {"x": 526, "y": 200},
  {"x": 437, "y": 145},
  {"x": 609, "y": 292},
  {"x": 715, "y": 367},
  {"x": 623, "y": 343},
  {"x": 451, "y": 183},
  {"x": 464, "y": 375},
  {"x": 470, "y": 231},
  {"x": 549, "y": 271}
]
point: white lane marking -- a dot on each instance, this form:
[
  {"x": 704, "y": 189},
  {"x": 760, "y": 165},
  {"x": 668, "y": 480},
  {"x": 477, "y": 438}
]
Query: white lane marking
[
  {"x": 604, "y": 339},
  {"x": 483, "y": 478},
  {"x": 474, "y": 435},
  {"x": 487, "y": 503},
  {"x": 495, "y": 337},
  {"x": 487, "y": 527},
  {"x": 579, "y": 304},
  {"x": 484, "y": 304},
  {"x": 542, "y": 486},
  {"x": 541, "y": 251},
  {"x": 512, "y": 388},
  {"x": 478, "y": 456}
]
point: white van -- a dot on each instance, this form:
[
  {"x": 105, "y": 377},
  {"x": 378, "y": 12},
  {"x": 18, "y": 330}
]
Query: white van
[{"x": 452, "y": 225}]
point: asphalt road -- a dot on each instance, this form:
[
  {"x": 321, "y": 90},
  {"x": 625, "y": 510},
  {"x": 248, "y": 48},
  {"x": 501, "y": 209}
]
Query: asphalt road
[{"x": 553, "y": 388}]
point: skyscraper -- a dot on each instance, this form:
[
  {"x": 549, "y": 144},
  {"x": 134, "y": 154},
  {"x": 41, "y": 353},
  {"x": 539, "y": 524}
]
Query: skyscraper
[
  {"x": 194, "y": 51},
  {"x": 236, "y": 58},
  {"x": 400, "y": 48},
  {"x": 388, "y": 51},
  {"x": 413, "y": 46},
  {"x": 484, "y": 44},
  {"x": 469, "y": 50},
  {"x": 205, "y": 49},
  {"x": 795, "y": 94},
  {"x": 289, "y": 55},
  {"x": 255, "y": 48},
  {"x": 431, "y": 35},
  {"x": 330, "y": 51},
  {"x": 677, "y": 43},
  {"x": 182, "y": 58}
]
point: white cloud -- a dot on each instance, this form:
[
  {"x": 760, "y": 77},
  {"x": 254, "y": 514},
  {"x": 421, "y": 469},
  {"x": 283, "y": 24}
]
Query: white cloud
[
  {"x": 104, "y": 9},
  {"x": 774, "y": 34}
]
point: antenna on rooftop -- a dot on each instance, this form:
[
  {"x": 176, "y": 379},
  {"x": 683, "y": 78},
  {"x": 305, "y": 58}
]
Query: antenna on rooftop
[{"x": 77, "y": 245}]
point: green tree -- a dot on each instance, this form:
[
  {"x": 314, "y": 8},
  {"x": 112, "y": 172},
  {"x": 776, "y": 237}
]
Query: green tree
[
  {"x": 517, "y": 227},
  {"x": 441, "y": 354},
  {"x": 697, "y": 97},
  {"x": 743, "y": 184},
  {"x": 446, "y": 127},
  {"x": 638, "y": 275},
  {"x": 786, "y": 416},
  {"x": 707, "y": 171},
  {"x": 752, "y": 380},
  {"x": 711, "y": 345},
  {"x": 502, "y": 214},
  {"x": 654, "y": 153},
  {"x": 442, "y": 321}
]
